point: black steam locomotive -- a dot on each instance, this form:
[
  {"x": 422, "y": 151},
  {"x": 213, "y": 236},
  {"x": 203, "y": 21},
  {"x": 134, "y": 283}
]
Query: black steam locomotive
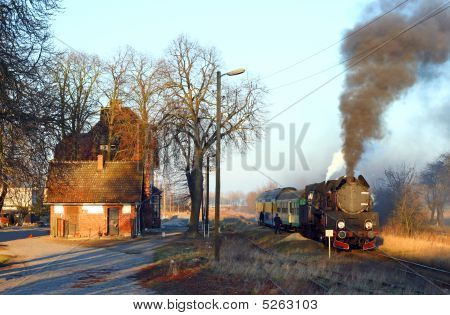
[{"x": 343, "y": 206}]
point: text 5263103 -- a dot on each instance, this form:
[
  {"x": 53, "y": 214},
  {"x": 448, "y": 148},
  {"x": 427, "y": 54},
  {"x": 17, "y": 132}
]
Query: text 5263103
[{"x": 289, "y": 304}]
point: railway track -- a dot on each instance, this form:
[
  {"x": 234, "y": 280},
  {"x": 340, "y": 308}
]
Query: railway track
[
  {"x": 317, "y": 281},
  {"x": 313, "y": 281},
  {"x": 277, "y": 257},
  {"x": 271, "y": 253},
  {"x": 436, "y": 277}
]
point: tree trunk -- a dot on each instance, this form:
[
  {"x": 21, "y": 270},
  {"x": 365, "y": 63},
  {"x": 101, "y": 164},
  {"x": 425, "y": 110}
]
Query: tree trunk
[
  {"x": 3, "y": 193},
  {"x": 440, "y": 216},
  {"x": 73, "y": 154},
  {"x": 195, "y": 183},
  {"x": 433, "y": 210}
]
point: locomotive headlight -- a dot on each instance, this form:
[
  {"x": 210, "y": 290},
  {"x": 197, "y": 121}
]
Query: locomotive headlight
[
  {"x": 342, "y": 234},
  {"x": 341, "y": 224},
  {"x": 368, "y": 225}
]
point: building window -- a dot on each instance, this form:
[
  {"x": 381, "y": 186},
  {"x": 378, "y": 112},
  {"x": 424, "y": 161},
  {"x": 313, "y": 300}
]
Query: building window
[
  {"x": 59, "y": 209},
  {"x": 126, "y": 209},
  {"x": 93, "y": 209}
]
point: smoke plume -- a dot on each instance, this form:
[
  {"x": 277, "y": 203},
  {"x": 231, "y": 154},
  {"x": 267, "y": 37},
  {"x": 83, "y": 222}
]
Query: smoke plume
[
  {"x": 374, "y": 82},
  {"x": 336, "y": 165}
]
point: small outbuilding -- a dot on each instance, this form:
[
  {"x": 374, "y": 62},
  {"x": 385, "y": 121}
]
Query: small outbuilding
[{"x": 97, "y": 198}]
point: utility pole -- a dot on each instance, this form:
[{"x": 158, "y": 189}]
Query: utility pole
[
  {"x": 217, "y": 196},
  {"x": 202, "y": 207},
  {"x": 207, "y": 197},
  {"x": 218, "y": 131},
  {"x": 164, "y": 201}
]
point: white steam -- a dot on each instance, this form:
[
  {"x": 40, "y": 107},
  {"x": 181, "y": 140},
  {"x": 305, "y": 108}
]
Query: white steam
[{"x": 337, "y": 164}]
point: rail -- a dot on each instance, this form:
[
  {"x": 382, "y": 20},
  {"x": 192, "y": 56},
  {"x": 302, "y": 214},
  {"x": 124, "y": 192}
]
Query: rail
[{"x": 442, "y": 288}]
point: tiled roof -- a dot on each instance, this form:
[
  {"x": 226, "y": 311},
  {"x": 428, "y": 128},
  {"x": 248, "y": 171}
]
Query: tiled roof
[{"x": 81, "y": 182}]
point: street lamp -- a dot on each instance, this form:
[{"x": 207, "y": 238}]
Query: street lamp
[{"x": 218, "y": 123}]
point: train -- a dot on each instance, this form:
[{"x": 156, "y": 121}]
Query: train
[{"x": 343, "y": 205}]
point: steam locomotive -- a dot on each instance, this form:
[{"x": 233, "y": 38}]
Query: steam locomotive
[{"x": 343, "y": 205}]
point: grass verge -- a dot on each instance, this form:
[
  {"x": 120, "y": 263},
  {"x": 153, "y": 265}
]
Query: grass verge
[
  {"x": 429, "y": 248},
  {"x": 296, "y": 266}
]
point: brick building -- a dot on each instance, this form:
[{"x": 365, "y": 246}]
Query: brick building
[
  {"x": 121, "y": 128},
  {"x": 97, "y": 198}
]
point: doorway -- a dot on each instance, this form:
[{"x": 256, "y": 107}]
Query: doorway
[{"x": 113, "y": 221}]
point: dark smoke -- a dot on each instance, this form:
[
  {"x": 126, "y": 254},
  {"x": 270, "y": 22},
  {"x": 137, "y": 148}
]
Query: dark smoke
[{"x": 381, "y": 78}]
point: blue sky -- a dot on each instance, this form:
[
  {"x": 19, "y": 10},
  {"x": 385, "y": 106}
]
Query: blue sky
[{"x": 263, "y": 37}]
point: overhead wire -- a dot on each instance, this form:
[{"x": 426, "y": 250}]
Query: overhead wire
[
  {"x": 337, "y": 42},
  {"x": 426, "y": 17},
  {"x": 65, "y": 44}
]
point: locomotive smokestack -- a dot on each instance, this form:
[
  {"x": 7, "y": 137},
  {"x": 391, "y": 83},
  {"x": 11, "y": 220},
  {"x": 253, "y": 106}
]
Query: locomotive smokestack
[{"x": 379, "y": 79}]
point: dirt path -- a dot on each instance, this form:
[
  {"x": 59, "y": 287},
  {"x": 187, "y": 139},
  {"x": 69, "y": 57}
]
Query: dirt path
[{"x": 45, "y": 266}]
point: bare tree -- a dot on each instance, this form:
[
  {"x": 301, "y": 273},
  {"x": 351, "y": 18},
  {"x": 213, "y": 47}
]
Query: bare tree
[
  {"x": 436, "y": 178},
  {"x": 76, "y": 76},
  {"x": 407, "y": 212},
  {"x": 253, "y": 195},
  {"x": 145, "y": 95},
  {"x": 250, "y": 199},
  {"x": 26, "y": 107},
  {"x": 116, "y": 78},
  {"x": 145, "y": 86},
  {"x": 236, "y": 198},
  {"x": 398, "y": 179},
  {"x": 189, "y": 113}
]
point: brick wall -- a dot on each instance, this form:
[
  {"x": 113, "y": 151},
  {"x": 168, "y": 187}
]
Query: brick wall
[
  {"x": 125, "y": 227},
  {"x": 86, "y": 224},
  {"x": 92, "y": 224}
]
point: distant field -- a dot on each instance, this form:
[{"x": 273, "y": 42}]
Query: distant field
[
  {"x": 447, "y": 217},
  {"x": 225, "y": 212}
]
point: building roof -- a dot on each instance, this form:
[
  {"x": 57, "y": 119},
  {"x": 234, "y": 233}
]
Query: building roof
[{"x": 81, "y": 182}]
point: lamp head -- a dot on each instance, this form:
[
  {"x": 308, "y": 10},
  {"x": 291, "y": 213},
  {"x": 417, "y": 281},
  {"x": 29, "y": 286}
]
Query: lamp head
[{"x": 235, "y": 72}]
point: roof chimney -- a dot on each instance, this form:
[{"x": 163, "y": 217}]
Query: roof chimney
[{"x": 99, "y": 162}]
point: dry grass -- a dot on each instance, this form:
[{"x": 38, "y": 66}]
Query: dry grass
[
  {"x": 299, "y": 266},
  {"x": 4, "y": 259},
  {"x": 184, "y": 267},
  {"x": 225, "y": 213},
  {"x": 313, "y": 275},
  {"x": 430, "y": 247},
  {"x": 238, "y": 213},
  {"x": 179, "y": 214}
]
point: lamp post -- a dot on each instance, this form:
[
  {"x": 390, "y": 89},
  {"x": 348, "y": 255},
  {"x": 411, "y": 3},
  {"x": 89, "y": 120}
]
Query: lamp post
[{"x": 218, "y": 123}]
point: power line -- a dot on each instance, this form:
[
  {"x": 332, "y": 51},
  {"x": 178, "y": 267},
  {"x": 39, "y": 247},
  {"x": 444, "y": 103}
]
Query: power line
[
  {"x": 65, "y": 44},
  {"x": 267, "y": 176},
  {"x": 326, "y": 69},
  {"x": 337, "y": 42},
  {"x": 307, "y": 77},
  {"x": 428, "y": 16}
]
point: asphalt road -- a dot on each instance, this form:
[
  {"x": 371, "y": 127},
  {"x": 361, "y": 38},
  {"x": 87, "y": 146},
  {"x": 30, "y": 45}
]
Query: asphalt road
[
  {"x": 44, "y": 265},
  {"x": 14, "y": 233}
]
